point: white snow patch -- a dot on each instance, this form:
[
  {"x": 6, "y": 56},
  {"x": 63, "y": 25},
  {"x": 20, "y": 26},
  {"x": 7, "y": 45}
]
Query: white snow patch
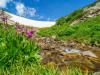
[{"x": 32, "y": 23}]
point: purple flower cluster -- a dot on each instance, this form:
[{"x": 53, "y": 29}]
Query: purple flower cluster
[
  {"x": 26, "y": 31},
  {"x": 29, "y": 34},
  {"x": 4, "y": 19},
  {"x": 20, "y": 29}
]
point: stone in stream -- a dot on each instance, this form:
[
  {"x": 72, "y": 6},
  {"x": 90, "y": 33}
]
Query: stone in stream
[
  {"x": 89, "y": 53},
  {"x": 69, "y": 50},
  {"x": 96, "y": 73},
  {"x": 84, "y": 53}
]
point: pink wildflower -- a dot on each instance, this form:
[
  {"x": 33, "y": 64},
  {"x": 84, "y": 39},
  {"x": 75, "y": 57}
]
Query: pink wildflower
[{"x": 29, "y": 34}]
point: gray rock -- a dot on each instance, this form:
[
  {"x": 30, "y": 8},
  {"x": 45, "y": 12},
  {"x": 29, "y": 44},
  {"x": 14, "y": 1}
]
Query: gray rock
[
  {"x": 69, "y": 50},
  {"x": 96, "y": 73},
  {"x": 89, "y": 53}
]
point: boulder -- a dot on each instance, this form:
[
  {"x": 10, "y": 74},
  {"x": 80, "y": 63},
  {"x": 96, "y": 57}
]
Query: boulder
[{"x": 89, "y": 53}]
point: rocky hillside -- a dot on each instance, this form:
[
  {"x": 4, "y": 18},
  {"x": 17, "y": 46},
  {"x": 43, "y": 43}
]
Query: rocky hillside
[
  {"x": 74, "y": 40},
  {"x": 89, "y": 12},
  {"x": 81, "y": 14}
]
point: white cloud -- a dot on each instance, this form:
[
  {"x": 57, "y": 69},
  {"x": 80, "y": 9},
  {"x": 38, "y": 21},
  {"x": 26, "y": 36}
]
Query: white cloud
[
  {"x": 3, "y": 3},
  {"x": 25, "y": 11},
  {"x": 48, "y": 19},
  {"x": 41, "y": 17},
  {"x": 51, "y": 19},
  {"x": 20, "y": 9},
  {"x": 30, "y": 11}
]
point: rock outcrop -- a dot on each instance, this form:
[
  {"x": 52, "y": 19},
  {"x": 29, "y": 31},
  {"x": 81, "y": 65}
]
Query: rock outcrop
[
  {"x": 53, "y": 50},
  {"x": 90, "y": 12}
]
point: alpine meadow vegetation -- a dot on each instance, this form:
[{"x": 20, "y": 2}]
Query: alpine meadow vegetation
[
  {"x": 19, "y": 55},
  {"x": 20, "y": 52}
]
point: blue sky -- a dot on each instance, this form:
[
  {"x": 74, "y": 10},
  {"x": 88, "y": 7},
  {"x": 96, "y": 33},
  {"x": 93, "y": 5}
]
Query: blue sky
[{"x": 43, "y": 9}]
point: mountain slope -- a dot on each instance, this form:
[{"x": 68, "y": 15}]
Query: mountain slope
[
  {"x": 79, "y": 15},
  {"x": 83, "y": 35},
  {"x": 85, "y": 31}
]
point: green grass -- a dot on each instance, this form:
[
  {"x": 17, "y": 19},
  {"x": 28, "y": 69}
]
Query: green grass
[
  {"x": 87, "y": 32},
  {"x": 77, "y": 14},
  {"x": 16, "y": 48},
  {"x": 34, "y": 69},
  {"x": 19, "y": 56},
  {"x": 93, "y": 4},
  {"x": 71, "y": 17}
]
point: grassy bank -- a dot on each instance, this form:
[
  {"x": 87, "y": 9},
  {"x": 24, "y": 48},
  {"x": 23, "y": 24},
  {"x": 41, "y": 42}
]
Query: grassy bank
[
  {"x": 19, "y": 56},
  {"x": 87, "y": 32},
  {"x": 41, "y": 70}
]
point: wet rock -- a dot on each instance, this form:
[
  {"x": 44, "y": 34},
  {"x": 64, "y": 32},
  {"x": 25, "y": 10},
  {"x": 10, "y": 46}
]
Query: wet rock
[
  {"x": 89, "y": 53},
  {"x": 96, "y": 73},
  {"x": 68, "y": 53},
  {"x": 69, "y": 50},
  {"x": 84, "y": 53},
  {"x": 71, "y": 57}
]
